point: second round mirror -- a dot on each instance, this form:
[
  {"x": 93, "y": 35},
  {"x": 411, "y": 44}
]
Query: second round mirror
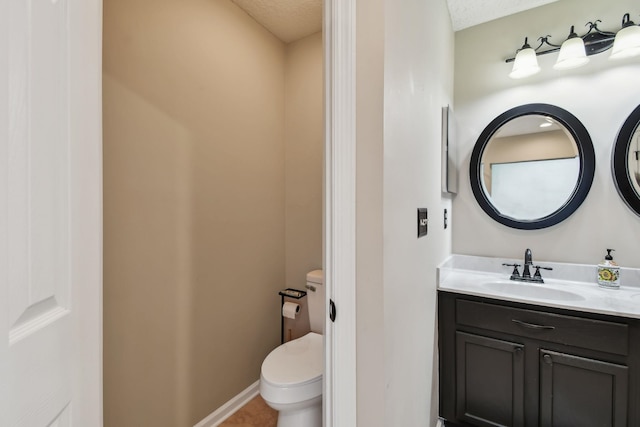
[{"x": 626, "y": 161}]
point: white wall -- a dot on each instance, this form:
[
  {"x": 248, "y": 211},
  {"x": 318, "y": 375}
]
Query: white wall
[
  {"x": 601, "y": 95},
  {"x": 403, "y": 80}
]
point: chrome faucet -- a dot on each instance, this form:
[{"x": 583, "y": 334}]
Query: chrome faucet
[{"x": 526, "y": 272}]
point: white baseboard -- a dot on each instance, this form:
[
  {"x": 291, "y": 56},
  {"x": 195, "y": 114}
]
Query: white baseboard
[{"x": 225, "y": 411}]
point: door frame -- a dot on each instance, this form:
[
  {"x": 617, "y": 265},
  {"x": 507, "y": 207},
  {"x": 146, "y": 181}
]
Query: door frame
[
  {"x": 86, "y": 187},
  {"x": 340, "y": 212}
]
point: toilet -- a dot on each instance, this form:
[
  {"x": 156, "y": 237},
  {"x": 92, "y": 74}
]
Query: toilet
[{"x": 291, "y": 375}]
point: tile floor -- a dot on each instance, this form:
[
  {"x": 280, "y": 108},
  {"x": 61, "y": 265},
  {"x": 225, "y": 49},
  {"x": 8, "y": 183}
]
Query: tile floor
[{"x": 255, "y": 413}]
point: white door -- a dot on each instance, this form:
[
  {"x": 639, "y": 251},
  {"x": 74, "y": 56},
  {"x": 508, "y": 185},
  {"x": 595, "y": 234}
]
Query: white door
[{"x": 50, "y": 213}]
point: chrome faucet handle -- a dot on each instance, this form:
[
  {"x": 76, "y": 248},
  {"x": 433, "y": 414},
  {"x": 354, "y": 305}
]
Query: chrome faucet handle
[
  {"x": 515, "y": 274},
  {"x": 537, "y": 276}
]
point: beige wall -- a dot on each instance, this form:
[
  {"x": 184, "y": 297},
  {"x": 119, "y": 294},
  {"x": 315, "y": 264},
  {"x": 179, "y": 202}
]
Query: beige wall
[
  {"x": 194, "y": 188},
  {"x": 370, "y": 319},
  {"x": 601, "y": 95},
  {"x": 146, "y": 260},
  {"x": 304, "y": 145}
]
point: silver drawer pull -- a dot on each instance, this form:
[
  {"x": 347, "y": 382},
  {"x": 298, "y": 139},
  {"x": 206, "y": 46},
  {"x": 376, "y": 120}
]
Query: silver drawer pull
[{"x": 532, "y": 325}]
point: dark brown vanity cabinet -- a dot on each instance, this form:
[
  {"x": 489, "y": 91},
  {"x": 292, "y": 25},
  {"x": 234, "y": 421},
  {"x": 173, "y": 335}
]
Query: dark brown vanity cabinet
[
  {"x": 511, "y": 364},
  {"x": 489, "y": 380}
]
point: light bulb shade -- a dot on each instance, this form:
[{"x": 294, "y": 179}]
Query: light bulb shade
[
  {"x": 626, "y": 43},
  {"x": 525, "y": 64},
  {"x": 572, "y": 54}
]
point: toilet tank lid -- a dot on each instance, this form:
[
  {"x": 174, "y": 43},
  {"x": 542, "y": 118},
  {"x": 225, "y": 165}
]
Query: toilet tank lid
[{"x": 315, "y": 276}]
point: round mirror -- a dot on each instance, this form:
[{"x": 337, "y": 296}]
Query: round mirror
[
  {"x": 626, "y": 161},
  {"x": 532, "y": 166}
]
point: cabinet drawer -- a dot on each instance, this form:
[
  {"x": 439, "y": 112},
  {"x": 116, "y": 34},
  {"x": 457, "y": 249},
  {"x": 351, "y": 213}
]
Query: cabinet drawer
[{"x": 590, "y": 334}]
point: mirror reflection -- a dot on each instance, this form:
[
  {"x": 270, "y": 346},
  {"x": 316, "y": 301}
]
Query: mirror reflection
[
  {"x": 633, "y": 161},
  {"x": 530, "y": 167}
]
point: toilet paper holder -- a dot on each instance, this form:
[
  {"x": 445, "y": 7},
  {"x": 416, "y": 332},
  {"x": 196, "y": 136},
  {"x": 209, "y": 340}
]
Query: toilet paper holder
[
  {"x": 288, "y": 293},
  {"x": 292, "y": 293}
]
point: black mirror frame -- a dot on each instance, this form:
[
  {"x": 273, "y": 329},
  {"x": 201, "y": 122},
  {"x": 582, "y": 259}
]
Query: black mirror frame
[
  {"x": 619, "y": 166},
  {"x": 585, "y": 177}
]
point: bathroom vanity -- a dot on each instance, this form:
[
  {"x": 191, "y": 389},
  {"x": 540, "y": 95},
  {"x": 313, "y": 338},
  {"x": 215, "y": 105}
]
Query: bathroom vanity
[{"x": 563, "y": 353}]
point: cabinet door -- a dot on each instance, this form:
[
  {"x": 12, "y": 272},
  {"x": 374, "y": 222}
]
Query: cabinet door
[
  {"x": 490, "y": 381},
  {"x": 575, "y": 391}
]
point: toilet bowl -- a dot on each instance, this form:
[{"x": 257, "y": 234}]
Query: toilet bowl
[
  {"x": 291, "y": 381},
  {"x": 291, "y": 375}
]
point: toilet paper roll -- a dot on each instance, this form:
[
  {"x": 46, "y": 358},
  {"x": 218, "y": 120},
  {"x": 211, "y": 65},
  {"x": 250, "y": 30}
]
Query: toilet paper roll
[{"x": 290, "y": 309}]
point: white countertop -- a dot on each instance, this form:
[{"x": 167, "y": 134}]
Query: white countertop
[{"x": 569, "y": 286}]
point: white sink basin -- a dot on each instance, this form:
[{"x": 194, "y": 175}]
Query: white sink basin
[{"x": 531, "y": 290}]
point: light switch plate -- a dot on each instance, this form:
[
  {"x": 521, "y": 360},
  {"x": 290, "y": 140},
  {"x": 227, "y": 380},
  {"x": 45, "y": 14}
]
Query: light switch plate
[{"x": 423, "y": 222}]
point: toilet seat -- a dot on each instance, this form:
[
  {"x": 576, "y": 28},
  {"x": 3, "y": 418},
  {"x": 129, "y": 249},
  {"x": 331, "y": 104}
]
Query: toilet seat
[{"x": 293, "y": 371}]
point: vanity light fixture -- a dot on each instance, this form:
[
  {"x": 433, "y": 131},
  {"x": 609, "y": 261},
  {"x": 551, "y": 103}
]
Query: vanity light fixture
[
  {"x": 627, "y": 42},
  {"x": 525, "y": 63},
  {"x": 575, "y": 50},
  {"x": 572, "y": 53}
]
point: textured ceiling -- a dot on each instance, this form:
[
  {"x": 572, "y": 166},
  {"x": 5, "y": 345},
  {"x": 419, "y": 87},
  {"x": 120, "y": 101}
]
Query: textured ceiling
[
  {"x": 467, "y": 13},
  {"x": 288, "y": 20}
]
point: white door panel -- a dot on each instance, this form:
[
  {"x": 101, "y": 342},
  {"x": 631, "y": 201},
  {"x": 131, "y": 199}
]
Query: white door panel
[
  {"x": 50, "y": 200},
  {"x": 38, "y": 213}
]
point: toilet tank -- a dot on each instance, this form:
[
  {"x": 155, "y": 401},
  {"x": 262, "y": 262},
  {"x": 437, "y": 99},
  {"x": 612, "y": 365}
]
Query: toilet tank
[{"x": 315, "y": 299}]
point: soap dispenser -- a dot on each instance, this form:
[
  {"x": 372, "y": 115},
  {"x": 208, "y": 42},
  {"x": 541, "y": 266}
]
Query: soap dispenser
[{"x": 608, "y": 272}]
